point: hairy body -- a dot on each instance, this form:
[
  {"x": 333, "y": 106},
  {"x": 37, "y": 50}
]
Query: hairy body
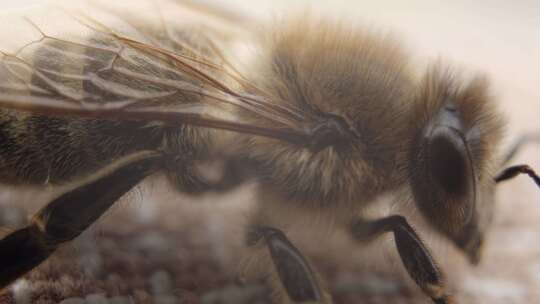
[{"x": 344, "y": 118}]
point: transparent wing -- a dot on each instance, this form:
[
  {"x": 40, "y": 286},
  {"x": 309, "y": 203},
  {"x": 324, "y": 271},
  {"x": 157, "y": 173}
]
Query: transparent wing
[{"x": 148, "y": 60}]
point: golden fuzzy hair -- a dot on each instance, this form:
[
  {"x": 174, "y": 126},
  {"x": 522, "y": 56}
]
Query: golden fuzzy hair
[{"x": 321, "y": 68}]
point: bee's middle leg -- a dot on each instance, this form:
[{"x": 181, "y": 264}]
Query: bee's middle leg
[
  {"x": 70, "y": 214},
  {"x": 293, "y": 270},
  {"x": 413, "y": 253}
]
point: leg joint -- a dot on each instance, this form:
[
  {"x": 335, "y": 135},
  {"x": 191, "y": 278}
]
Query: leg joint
[{"x": 256, "y": 233}]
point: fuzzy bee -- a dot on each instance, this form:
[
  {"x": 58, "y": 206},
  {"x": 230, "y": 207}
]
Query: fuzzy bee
[{"x": 327, "y": 116}]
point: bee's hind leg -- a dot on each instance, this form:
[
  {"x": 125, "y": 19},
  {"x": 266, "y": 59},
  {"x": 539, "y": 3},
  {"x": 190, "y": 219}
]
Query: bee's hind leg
[
  {"x": 413, "y": 253},
  {"x": 70, "y": 214},
  {"x": 293, "y": 270}
]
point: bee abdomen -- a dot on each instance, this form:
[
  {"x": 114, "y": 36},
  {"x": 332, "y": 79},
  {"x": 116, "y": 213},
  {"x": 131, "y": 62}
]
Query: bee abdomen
[{"x": 37, "y": 149}]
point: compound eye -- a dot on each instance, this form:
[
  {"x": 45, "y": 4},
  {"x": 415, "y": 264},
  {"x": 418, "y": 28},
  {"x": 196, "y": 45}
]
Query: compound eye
[
  {"x": 448, "y": 161},
  {"x": 442, "y": 175}
]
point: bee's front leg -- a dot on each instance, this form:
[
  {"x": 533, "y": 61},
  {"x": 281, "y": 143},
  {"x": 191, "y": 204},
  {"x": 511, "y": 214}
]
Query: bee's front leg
[
  {"x": 292, "y": 268},
  {"x": 71, "y": 213},
  {"x": 413, "y": 253}
]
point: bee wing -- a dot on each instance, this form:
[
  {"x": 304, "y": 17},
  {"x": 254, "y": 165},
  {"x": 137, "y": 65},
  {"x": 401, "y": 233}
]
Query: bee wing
[{"x": 134, "y": 60}]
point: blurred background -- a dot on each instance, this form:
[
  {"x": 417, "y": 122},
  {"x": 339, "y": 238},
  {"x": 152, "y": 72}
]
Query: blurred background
[{"x": 158, "y": 246}]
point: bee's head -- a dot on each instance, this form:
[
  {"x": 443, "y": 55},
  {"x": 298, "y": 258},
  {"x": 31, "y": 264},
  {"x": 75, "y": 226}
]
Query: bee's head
[{"x": 452, "y": 158}]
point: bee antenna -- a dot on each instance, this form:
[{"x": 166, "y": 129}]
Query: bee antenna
[{"x": 514, "y": 171}]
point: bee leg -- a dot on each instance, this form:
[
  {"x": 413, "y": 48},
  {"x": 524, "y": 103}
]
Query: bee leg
[
  {"x": 70, "y": 214},
  {"x": 520, "y": 143},
  {"x": 413, "y": 253},
  {"x": 292, "y": 268},
  {"x": 514, "y": 171}
]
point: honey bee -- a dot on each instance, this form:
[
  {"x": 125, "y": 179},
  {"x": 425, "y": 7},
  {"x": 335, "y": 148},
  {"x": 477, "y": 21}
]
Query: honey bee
[{"x": 328, "y": 116}]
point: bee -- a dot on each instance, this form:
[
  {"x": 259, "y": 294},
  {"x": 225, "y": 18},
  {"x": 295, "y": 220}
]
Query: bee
[{"x": 329, "y": 117}]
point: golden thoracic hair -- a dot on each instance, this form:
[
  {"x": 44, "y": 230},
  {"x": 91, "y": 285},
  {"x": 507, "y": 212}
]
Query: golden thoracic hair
[{"x": 325, "y": 68}]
